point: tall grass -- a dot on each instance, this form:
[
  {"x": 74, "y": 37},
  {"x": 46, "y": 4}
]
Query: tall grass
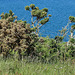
[{"x": 15, "y": 67}]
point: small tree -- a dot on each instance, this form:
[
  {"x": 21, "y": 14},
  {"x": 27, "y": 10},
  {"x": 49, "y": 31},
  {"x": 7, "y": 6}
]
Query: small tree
[
  {"x": 72, "y": 38},
  {"x": 64, "y": 31},
  {"x": 38, "y": 17}
]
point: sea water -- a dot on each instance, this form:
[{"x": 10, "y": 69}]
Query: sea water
[{"x": 59, "y": 9}]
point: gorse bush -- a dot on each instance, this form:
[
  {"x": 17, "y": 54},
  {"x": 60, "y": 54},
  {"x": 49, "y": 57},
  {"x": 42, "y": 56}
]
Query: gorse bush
[{"x": 16, "y": 35}]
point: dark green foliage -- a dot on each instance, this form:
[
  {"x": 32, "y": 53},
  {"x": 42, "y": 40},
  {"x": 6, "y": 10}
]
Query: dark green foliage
[
  {"x": 11, "y": 13},
  {"x": 32, "y": 6},
  {"x": 27, "y": 8},
  {"x": 39, "y": 13},
  {"x": 71, "y": 51},
  {"x": 44, "y": 20},
  {"x": 2, "y": 15},
  {"x": 71, "y": 47},
  {"x": 43, "y": 14},
  {"x": 36, "y": 13},
  {"x": 45, "y": 9},
  {"x": 73, "y": 26},
  {"x": 59, "y": 38},
  {"x": 72, "y": 40},
  {"x": 72, "y": 18},
  {"x": 46, "y": 48},
  {"x": 6, "y": 15}
]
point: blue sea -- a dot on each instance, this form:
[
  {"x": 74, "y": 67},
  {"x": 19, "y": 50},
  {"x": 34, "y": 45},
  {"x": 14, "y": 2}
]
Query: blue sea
[{"x": 59, "y": 9}]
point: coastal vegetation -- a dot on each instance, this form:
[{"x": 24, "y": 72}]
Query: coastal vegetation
[{"x": 23, "y": 52}]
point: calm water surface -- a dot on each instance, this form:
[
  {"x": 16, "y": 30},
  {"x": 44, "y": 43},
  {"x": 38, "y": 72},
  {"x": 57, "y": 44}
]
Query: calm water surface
[{"x": 60, "y": 10}]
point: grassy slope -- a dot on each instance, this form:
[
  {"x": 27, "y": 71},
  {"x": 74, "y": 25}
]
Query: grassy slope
[{"x": 11, "y": 67}]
